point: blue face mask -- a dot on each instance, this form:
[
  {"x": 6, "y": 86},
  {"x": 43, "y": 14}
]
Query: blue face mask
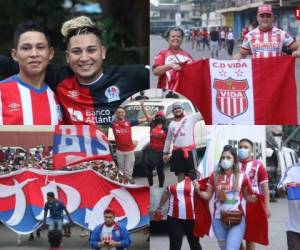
[
  {"x": 243, "y": 153},
  {"x": 226, "y": 164}
]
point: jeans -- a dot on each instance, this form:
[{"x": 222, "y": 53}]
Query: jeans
[
  {"x": 229, "y": 238},
  {"x": 55, "y": 224},
  {"x": 214, "y": 49}
]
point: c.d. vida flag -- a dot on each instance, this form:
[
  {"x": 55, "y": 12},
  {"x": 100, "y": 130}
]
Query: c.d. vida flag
[
  {"x": 247, "y": 91},
  {"x": 77, "y": 143}
]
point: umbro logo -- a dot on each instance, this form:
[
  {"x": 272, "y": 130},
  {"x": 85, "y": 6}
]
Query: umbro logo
[
  {"x": 73, "y": 93},
  {"x": 14, "y": 106}
]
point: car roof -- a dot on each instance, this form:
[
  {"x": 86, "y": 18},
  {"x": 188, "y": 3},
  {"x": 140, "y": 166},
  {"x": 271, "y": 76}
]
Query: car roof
[{"x": 158, "y": 101}]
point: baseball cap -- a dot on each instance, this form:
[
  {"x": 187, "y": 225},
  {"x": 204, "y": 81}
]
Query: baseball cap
[
  {"x": 177, "y": 105},
  {"x": 265, "y": 9},
  {"x": 159, "y": 113}
]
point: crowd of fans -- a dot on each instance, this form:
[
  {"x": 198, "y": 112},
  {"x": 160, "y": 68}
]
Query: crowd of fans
[{"x": 42, "y": 158}]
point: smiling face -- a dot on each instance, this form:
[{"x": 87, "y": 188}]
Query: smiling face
[
  {"x": 120, "y": 114},
  {"x": 175, "y": 39},
  {"x": 265, "y": 21},
  {"x": 32, "y": 53},
  {"x": 178, "y": 112},
  {"x": 85, "y": 55}
]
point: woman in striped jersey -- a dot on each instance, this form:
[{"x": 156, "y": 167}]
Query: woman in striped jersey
[
  {"x": 181, "y": 213},
  {"x": 229, "y": 186}
]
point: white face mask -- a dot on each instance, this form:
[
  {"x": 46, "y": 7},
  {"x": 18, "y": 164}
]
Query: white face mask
[
  {"x": 226, "y": 164},
  {"x": 243, "y": 153}
]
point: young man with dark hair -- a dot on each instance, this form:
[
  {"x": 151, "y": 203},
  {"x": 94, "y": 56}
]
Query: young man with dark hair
[
  {"x": 257, "y": 174},
  {"x": 88, "y": 92},
  {"x": 57, "y": 209},
  {"x": 55, "y": 239},
  {"x": 25, "y": 97},
  {"x": 110, "y": 234}
]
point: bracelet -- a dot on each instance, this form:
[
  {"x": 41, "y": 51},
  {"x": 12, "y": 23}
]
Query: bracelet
[{"x": 164, "y": 153}]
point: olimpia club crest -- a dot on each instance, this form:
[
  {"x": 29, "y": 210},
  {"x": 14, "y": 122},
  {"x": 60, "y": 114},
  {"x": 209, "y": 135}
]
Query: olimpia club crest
[
  {"x": 231, "y": 98},
  {"x": 112, "y": 93}
]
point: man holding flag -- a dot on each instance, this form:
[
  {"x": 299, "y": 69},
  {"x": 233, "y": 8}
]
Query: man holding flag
[{"x": 266, "y": 40}]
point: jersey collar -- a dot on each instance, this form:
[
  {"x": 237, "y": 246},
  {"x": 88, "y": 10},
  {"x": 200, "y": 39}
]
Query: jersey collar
[{"x": 29, "y": 86}]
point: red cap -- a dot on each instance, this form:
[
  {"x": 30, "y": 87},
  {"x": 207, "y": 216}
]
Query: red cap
[
  {"x": 109, "y": 211},
  {"x": 159, "y": 113},
  {"x": 265, "y": 9}
]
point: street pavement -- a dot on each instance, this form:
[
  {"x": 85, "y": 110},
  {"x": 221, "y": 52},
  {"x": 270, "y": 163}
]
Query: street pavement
[
  {"x": 8, "y": 241},
  {"x": 157, "y": 43}
]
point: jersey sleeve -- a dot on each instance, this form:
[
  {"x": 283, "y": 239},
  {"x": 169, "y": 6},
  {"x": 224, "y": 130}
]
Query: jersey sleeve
[
  {"x": 159, "y": 60},
  {"x": 8, "y": 66},
  {"x": 262, "y": 175},
  {"x": 137, "y": 77},
  {"x": 246, "y": 42},
  {"x": 57, "y": 73},
  {"x": 288, "y": 40}
]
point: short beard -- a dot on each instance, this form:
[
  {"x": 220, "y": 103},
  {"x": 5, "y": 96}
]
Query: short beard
[{"x": 179, "y": 116}]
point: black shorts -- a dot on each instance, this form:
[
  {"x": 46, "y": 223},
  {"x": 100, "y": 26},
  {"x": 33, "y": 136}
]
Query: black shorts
[{"x": 181, "y": 165}]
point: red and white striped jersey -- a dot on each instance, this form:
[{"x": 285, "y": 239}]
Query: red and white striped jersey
[
  {"x": 257, "y": 174},
  {"x": 266, "y": 43},
  {"x": 233, "y": 198},
  {"x": 181, "y": 204},
  {"x": 168, "y": 80},
  {"x": 22, "y": 104}
]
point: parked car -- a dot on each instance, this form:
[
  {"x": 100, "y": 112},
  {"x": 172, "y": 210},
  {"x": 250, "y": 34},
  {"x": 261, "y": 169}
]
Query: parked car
[
  {"x": 278, "y": 161},
  {"x": 141, "y": 133}
]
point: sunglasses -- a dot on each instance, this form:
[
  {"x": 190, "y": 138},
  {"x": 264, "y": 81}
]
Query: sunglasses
[
  {"x": 174, "y": 109},
  {"x": 265, "y": 15}
]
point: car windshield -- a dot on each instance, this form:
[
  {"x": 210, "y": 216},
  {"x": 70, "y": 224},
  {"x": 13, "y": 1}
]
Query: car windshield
[{"x": 135, "y": 111}]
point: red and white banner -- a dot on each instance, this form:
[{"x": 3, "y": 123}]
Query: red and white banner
[
  {"x": 248, "y": 91},
  {"x": 85, "y": 193},
  {"x": 73, "y": 144}
]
